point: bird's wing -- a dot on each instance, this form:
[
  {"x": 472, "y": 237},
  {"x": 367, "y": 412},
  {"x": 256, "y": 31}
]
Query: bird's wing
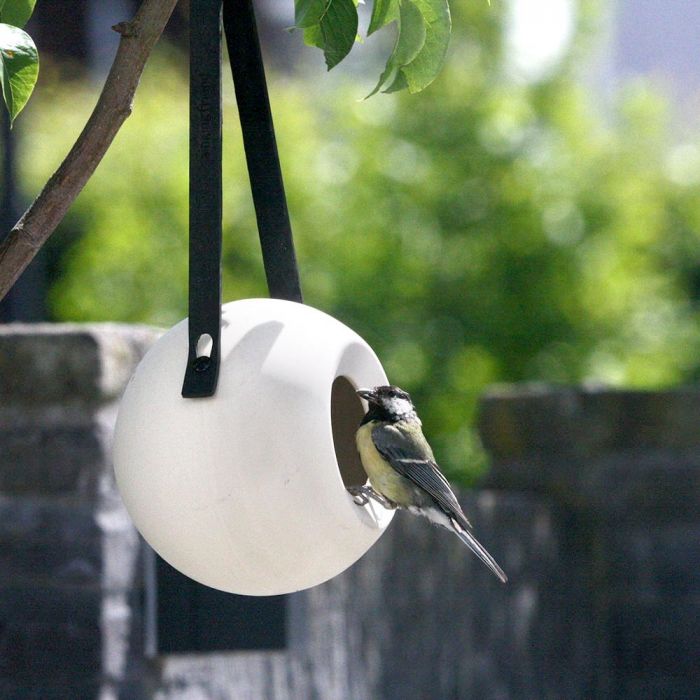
[{"x": 406, "y": 449}]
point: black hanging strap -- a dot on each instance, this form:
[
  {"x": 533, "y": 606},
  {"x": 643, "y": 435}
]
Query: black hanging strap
[
  {"x": 205, "y": 196},
  {"x": 205, "y": 176},
  {"x": 261, "y": 150}
]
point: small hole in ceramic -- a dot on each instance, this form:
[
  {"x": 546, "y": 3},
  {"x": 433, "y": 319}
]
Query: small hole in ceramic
[
  {"x": 204, "y": 345},
  {"x": 346, "y": 414}
]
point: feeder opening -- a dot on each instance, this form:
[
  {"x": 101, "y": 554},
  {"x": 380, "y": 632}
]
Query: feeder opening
[{"x": 346, "y": 414}]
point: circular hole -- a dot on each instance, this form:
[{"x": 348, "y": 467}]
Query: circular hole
[{"x": 346, "y": 414}]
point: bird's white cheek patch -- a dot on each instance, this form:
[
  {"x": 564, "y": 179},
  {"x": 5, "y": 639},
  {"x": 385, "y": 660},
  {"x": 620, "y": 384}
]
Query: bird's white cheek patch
[{"x": 401, "y": 407}]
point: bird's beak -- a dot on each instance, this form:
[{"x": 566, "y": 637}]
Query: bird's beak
[{"x": 367, "y": 394}]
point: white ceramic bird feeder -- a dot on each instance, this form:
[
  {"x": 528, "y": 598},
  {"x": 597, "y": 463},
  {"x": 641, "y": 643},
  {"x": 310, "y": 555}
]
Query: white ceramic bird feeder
[
  {"x": 245, "y": 491},
  {"x": 238, "y": 477}
]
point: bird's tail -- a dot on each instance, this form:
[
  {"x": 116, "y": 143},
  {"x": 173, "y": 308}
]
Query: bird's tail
[{"x": 479, "y": 550}]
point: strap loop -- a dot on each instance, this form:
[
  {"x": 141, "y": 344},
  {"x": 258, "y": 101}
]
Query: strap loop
[{"x": 205, "y": 197}]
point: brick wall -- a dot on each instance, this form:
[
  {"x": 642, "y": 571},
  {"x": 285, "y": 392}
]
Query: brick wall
[{"x": 591, "y": 508}]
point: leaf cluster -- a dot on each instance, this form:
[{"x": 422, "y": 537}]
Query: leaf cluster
[{"x": 422, "y": 36}]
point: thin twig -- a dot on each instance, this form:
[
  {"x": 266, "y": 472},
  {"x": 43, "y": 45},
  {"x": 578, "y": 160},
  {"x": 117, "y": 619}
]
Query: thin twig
[{"x": 138, "y": 37}]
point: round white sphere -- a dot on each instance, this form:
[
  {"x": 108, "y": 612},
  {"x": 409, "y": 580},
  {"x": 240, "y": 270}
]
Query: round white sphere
[{"x": 244, "y": 491}]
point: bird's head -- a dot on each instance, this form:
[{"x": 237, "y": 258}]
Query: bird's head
[{"x": 388, "y": 403}]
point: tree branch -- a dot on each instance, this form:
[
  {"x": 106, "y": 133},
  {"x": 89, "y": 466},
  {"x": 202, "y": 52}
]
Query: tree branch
[{"x": 138, "y": 37}]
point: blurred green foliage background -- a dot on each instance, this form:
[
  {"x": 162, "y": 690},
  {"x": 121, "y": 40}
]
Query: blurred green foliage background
[{"x": 486, "y": 230}]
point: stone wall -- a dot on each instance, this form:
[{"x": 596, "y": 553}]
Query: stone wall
[
  {"x": 67, "y": 548},
  {"x": 625, "y": 467},
  {"x": 591, "y": 508}
]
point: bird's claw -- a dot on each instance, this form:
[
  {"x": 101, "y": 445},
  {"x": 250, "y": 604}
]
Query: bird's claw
[
  {"x": 363, "y": 494},
  {"x": 359, "y": 494}
]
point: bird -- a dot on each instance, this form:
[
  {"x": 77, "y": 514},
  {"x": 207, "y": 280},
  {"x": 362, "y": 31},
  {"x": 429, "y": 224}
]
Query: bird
[{"x": 402, "y": 469}]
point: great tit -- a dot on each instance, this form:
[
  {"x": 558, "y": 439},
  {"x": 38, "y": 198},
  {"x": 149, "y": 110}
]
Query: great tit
[{"x": 402, "y": 470}]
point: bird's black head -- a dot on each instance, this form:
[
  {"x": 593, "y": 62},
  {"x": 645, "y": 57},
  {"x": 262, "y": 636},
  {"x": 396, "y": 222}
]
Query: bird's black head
[{"x": 388, "y": 403}]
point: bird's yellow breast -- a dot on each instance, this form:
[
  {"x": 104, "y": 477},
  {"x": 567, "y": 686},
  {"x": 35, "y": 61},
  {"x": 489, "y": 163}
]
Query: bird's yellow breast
[{"x": 381, "y": 475}]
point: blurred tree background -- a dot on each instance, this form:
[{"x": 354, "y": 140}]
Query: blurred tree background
[{"x": 491, "y": 229}]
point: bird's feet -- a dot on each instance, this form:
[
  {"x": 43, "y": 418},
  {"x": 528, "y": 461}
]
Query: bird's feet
[
  {"x": 362, "y": 495},
  {"x": 359, "y": 494}
]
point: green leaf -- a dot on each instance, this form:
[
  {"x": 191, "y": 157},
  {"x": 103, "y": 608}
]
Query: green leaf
[
  {"x": 313, "y": 36},
  {"x": 412, "y": 34},
  {"x": 423, "y": 36},
  {"x": 308, "y": 13},
  {"x": 339, "y": 29},
  {"x": 383, "y": 12},
  {"x": 399, "y": 83},
  {"x": 409, "y": 41},
  {"x": 19, "y": 67},
  {"x": 423, "y": 69},
  {"x": 16, "y": 12},
  {"x": 329, "y": 24}
]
